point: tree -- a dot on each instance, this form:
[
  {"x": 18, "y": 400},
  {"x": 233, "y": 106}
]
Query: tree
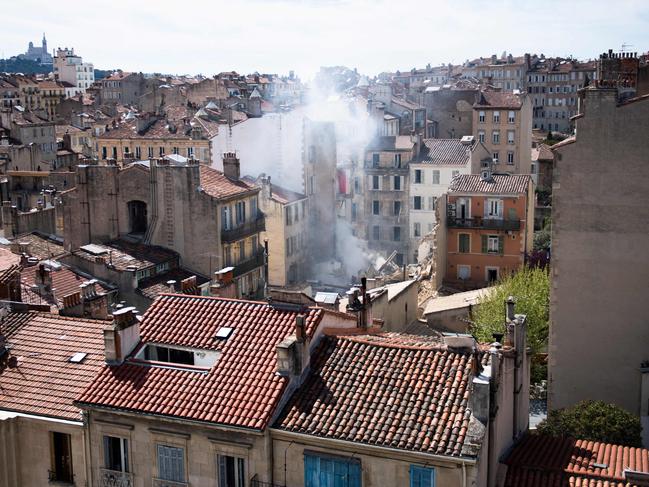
[
  {"x": 531, "y": 289},
  {"x": 594, "y": 421}
]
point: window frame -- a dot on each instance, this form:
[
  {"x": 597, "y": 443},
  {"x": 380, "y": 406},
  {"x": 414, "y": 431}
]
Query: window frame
[{"x": 183, "y": 471}]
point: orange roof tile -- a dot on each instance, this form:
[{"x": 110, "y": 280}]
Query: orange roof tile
[
  {"x": 392, "y": 390},
  {"x": 216, "y": 184},
  {"x": 37, "y": 377},
  {"x": 543, "y": 461},
  {"x": 242, "y": 388},
  {"x": 499, "y": 184}
]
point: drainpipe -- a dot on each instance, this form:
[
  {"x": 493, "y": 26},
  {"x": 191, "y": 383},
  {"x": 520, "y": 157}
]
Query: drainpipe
[
  {"x": 463, "y": 474},
  {"x": 285, "y": 450}
]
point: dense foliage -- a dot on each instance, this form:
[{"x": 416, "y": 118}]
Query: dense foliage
[
  {"x": 531, "y": 289},
  {"x": 25, "y": 66},
  {"x": 594, "y": 421}
]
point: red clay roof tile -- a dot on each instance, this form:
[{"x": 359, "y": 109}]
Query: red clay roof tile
[
  {"x": 391, "y": 390},
  {"x": 241, "y": 389}
]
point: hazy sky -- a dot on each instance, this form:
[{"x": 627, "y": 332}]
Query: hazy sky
[{"x": 209, "y": 36}]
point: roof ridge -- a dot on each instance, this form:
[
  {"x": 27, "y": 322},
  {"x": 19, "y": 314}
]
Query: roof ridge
[{"x": 366, "y": 340}]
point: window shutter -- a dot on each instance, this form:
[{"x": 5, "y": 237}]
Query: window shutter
[
  {"x": 484, "y": 244},
  {"x": 501, "y": 245},
  {"x": 107, "y": 462}
]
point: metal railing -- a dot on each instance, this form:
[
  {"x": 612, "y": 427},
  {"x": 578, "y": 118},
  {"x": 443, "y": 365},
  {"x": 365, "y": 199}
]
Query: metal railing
[
  {"x": 115, "y": 478},
  {"x": 486, "y": 223},
  {"x": 255, "y": 482},
  {"x": 57, "y": 478},
  {"x": 257, "y": 260},
  {"x": 168, "y": 483},
  {"x": 250, "y": 227}
]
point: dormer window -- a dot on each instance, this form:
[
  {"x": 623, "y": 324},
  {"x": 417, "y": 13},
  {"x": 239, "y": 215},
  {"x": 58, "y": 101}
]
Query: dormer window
[{"x": 176, "y": 355}]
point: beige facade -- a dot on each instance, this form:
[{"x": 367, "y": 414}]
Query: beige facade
[
  {"x": 200, "y": 447},
  {"x": 598, "y": 331},
  {"x": 26, "y": 450},
  {"x": 504, "y": 126},
  {"x": 141, "y": 148},
  {"x": 287, "y": 227}
]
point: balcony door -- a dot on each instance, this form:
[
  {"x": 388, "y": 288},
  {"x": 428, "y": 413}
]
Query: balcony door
[{"x": 463, "y": 208}]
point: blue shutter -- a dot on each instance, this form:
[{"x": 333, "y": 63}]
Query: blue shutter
[
  {"x": 422, "y": 476},
  {"x": 331, "y": 472}
]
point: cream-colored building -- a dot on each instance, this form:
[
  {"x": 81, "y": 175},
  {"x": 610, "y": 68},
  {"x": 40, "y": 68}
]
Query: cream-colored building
[
  {"x": 45, "y": 361},
  {"x": 287, "y": 227},
  {"x": 503, "y": 123},
  {"x": 70, "y": 67}
]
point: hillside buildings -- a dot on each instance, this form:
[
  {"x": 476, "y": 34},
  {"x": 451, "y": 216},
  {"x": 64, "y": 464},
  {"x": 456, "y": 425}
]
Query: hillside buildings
[
  {"x": 38, "y": 54},
  {"x": 599, "y": 213},
  {"x": 70, "y": 68}
]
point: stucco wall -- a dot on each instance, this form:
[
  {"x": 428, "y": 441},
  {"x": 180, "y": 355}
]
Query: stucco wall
[{"x": 598, "y": 331}]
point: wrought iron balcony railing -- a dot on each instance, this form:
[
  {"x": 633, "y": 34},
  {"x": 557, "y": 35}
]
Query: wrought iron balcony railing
[
  {"x": 249, "y": 228},
  {"x": 483, "y": 223},
  {"x": 257, "y": 260},
  {"x": 115, "y": 478},
  {"x": 169, "y": 483}
]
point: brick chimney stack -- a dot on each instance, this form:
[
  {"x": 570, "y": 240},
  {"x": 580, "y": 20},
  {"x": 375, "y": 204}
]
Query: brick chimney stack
[
  {"x": 231, "y": 166},
  {"x": 122, "y": 336}
]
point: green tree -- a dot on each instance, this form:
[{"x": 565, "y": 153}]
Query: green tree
[
  {"x": 594, "y": 421},
  {"x": 531, "y": 289}
]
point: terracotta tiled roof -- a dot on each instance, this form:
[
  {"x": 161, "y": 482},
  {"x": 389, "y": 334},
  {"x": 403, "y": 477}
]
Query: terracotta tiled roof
[
  {"x": 40, "y": 246},
  {"x": 543, "y": 461},
  {"x": 241, "y": 389},
  {"x": 446, "y": 152},
  {"x": 65, "y": 281},
  {"x": 217, "y": 185},
  {"x": 279, "y": 194},
  {"x": 542, "y": 152},
  {"x": 37, "y": 377},
  {"x": 499, "y": 99},
  {"x": 499, "y": 184},
  {"x": 392, "y": 390},
  {"x": 152, "y": 287}
]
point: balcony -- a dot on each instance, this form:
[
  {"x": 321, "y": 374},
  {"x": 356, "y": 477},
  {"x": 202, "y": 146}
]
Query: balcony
[
  {"x": 168, "y": 483},
  {"x": 255, "y": 482},
  {"x": 483, "y": 223},
  {"x": 249, "y": 228},
  {"x": 114, "y": 478},
  {"x": 257, "y": 260}
]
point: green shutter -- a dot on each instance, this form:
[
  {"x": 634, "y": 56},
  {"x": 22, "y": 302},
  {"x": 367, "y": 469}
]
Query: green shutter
[
  {"x": 501, "y": 244},
  {"x": 484, "y": 244}
]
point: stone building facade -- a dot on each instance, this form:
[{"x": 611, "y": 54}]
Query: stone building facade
[{"x": 598, "y": 333}]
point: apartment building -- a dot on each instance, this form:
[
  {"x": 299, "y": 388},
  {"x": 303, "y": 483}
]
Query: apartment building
[
  {"x": 552, "y": 85},
  {"x": 599, "y": 213},
  {"x": 150, "y": 136},
  {"x": 502, "y": 121},
  {"x": 431, "y": 172},
  {"x": 489, "y": 227},
  {"x": 122, "y": 87},
  {"x": 27, "y": 127},
  {"x": 287, "y": 232},
  {"x": 382, "y": 219},
  {"x": 69, "y": 67},
  {"x": 506, "y": 72},
  {"x": 210, "y": 218}
]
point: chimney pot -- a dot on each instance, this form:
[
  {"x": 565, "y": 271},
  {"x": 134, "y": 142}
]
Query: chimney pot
[
  {"x": 300, "y": 330},
  {"x": 231, "y": 166}
]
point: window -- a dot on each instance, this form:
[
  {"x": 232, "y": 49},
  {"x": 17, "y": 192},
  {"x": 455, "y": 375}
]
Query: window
[
  {"x": 159, "y": 353},
  {"x": 455, "y": 174},
  {"x": 253, "y": 208},
  {"x": 288, "y": 212},
  {"x": 396, "y": 208},
  {"x": 375, "y": 183},
  {"x": 432, "y": 203},
  {"x": 416, "y": 229},
  {"x": 242, "y": 251},
  {"x": 494, "y": 208},
  {"x": 481, "y": 136},
  {"x": 397, "y": 183},
  {"x": 511, "y": 116},
  {"x": 424, "y": 476},
  {"x": 354, "y": 211},
  {"x": 61, "y": 455},
  {"x": 376, "y": 232},
  {"x": 396, "y": 234},
  {"x": 171, "y": 463},
  {"x": 510, "y": 137},
  {"x": 116, "y": 454},
  {"x": 464, "y": 243},
  {"x": 397, "y": 160},
  {"x": 435, "y": 177},
  {"x": 226, "y": 218},
  {"x": 495, "y": 157},
  {"x": 150, "y": 152},
  {"x": 481, "y": 116},
  {"x": 416, "y": 203},
  {"x": 321, "y": 470},
  {"x": 241, "y": 212},
  {"x": 114, "y": 151},
  {"x": 496, "y": 116},
  {"x": 138, "y": 152},
  {"x": 375, "y": 160},
  {"x": 161, "y": 151},
  {"x": 492, "y": 244},
  {"x": 495, "y": 137},
  {"x": 510, "y": 157},
  {"x": 190, "y": 152},
  {"x": 376, "y": 207},
  {"x": 357, "y": 185},
  {"x": 103, "y": 152},
  {"x": 231, "y": 471},
  {"x": 419, "y": 176}
]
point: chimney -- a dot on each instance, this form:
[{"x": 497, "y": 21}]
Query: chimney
[
  {"x": 231, "y": 166},
  {"x": 44, "y": 280},
  {"x": 122, "y": 336},
  {"x": 172, "y": 285},
  {"x": 300, "y": 328},
  {"x": 223, "y": 284},
  {"x": 266, "y": 188}
]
